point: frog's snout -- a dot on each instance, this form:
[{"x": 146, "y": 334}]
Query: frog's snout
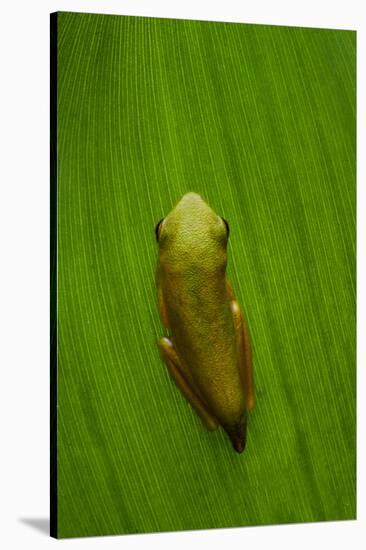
[
  {"x": 237, "y": 434},
  {"x": 192, "y": 197}
]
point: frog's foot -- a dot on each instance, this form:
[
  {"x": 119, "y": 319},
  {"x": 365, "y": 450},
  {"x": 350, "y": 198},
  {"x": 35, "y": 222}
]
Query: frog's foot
[{"x": 175, "y": 369}]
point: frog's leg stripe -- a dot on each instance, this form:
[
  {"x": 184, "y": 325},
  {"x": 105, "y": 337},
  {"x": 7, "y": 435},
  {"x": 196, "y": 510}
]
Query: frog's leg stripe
[
  {"x": 174, "y": 367},
  {"x": 244, "y": 354},
  {"x": 230, "y": 291},
  {"x": 249, "y": 366},
  {"x": 161, "y": 304},
  {"x": 162, "y": 309}
]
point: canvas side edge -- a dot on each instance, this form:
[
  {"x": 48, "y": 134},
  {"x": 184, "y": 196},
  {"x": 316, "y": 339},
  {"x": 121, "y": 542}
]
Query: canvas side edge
[{"x": 53, "y": 277}]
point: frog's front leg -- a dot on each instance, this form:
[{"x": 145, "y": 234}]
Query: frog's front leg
[
  {"x": 243, "y": 347},
  {"x": 161, "y": 303},
  {"x": 176, "y": 370}
]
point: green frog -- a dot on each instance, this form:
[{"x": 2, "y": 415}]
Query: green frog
[{"x": 208, "y": 353}]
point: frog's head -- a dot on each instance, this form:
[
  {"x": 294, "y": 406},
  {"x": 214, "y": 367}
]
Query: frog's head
[{"x": 192, "y": 225}]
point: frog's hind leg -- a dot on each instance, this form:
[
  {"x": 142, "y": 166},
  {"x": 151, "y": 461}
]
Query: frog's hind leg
[
  {"x": 243, "y": 348},
  {"x": 244, "y": 354},
  {"x": 175, "y": 369}
]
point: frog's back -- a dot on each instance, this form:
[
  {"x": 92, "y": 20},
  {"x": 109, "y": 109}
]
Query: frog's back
[{"x": 202, "y": 329}]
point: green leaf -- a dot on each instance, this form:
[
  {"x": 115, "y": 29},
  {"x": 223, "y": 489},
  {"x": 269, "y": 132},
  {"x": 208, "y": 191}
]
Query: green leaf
[{"x": 260, "y": 121}]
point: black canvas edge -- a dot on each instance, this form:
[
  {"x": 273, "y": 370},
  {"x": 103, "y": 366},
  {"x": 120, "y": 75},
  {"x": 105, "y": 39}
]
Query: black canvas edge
[{"x": 53, "y": 275}]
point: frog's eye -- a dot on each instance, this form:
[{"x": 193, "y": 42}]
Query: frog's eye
[
  {"x": 157, "y": 229},
  {"x": 227, "y": 227}
]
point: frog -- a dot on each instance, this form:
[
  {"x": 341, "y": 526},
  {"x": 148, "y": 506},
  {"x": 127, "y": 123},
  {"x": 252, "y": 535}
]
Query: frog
[{"x": 208, "y": 351}]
